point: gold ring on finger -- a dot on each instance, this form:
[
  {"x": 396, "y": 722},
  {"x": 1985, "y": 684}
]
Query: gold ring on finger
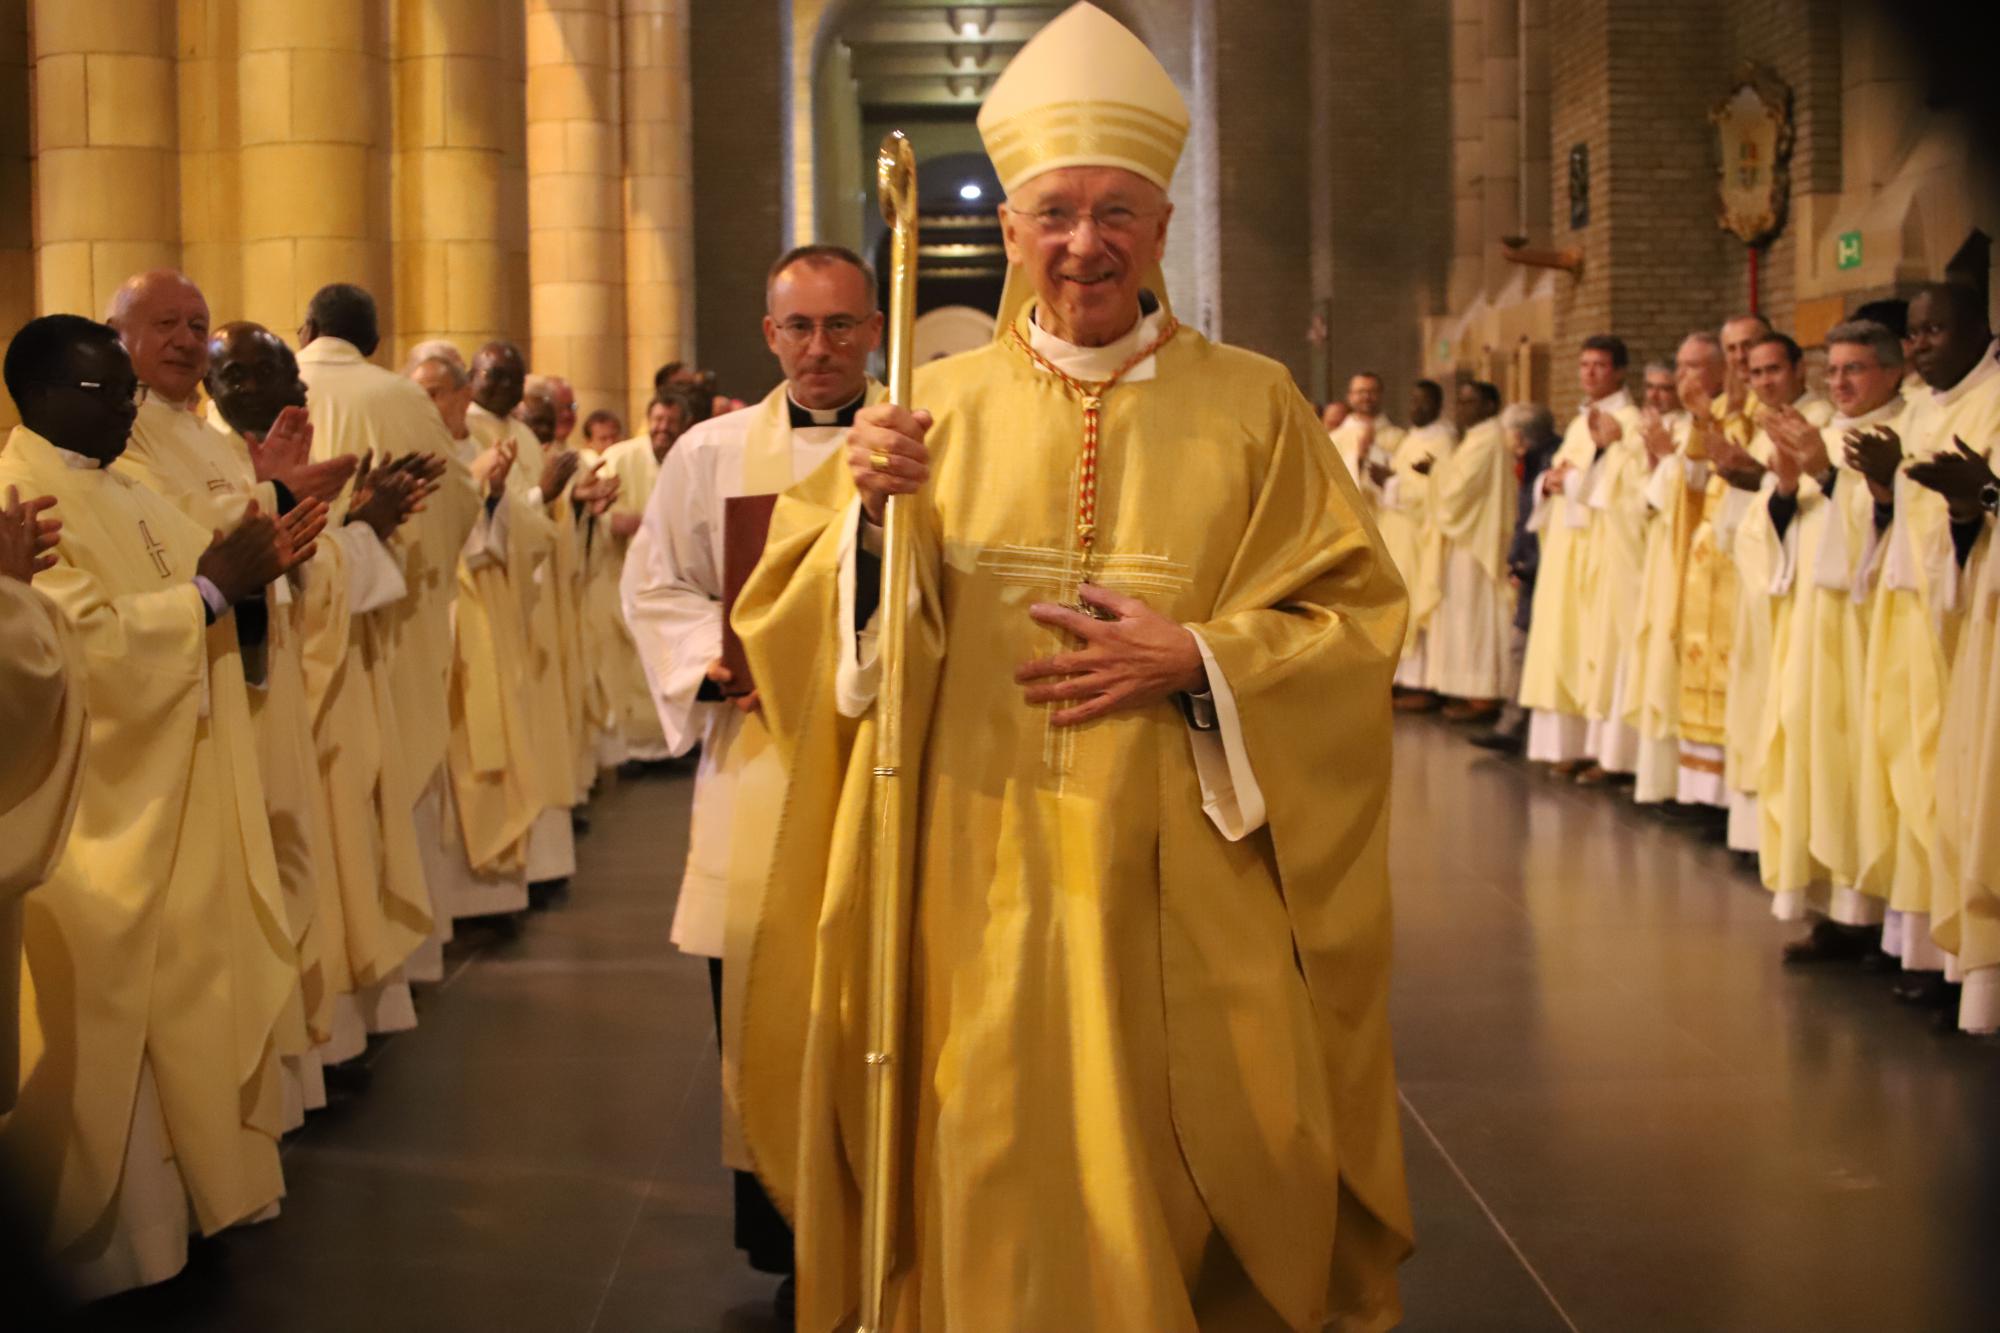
[{"x": 880, "y": 462}]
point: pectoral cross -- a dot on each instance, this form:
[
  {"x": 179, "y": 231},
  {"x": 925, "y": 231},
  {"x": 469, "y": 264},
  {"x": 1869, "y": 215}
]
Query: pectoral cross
[
  {"x": 154, "y": 549},
  {"x": 1061, "y": 573}
]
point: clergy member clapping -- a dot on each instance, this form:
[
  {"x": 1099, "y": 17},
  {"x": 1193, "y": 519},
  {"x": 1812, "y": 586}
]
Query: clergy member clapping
[
  {"x": 159, "y": 964},
  {"x": 1149, "y": 1076}
]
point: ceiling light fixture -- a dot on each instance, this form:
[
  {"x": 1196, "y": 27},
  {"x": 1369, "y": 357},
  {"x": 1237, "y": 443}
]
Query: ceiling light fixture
[
  {"x": 970, "y": 21},
  {"x": 971, "y": 191}
]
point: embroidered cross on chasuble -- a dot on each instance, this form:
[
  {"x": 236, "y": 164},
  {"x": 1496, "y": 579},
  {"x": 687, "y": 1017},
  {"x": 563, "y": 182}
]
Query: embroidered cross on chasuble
[
  {"x": 1062, "y": 571},
  {"x": 155, "y": 550}
]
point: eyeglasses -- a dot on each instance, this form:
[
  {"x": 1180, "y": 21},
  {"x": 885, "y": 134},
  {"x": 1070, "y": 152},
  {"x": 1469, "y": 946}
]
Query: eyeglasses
[
  {"x": 840, "y": 330},
  {"x": 1059, "y": 224},
  {"x": 136, "y": 395}
]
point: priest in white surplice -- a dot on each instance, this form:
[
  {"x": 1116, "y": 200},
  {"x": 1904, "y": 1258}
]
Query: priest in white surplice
[{"x": 822, "y": 324}]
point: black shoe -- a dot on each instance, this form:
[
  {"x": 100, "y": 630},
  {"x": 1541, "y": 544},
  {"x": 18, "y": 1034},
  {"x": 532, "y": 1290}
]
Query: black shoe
[
  {"x": 785, "y": 1300},
  {"x": 1830, "y": 942},
  {"x": 579, "y": 822},
  {"x": 1924, "y": 990},
  {"x": 1499, "y": 741},
  {"x": 1875, "y": 960},
  {"x": 546, "y": 893}
]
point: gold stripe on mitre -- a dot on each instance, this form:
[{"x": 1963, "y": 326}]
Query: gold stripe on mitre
[{"x": 1098, "y": 134}]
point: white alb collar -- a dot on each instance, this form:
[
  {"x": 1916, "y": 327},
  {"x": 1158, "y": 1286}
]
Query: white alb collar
[
  {"x": 1091, "y": 364},
  {"x": 1987, "y": 368}
]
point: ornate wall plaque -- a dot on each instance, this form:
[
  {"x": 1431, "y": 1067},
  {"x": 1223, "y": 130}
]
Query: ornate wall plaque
[{"x": 1753, "y": 128}]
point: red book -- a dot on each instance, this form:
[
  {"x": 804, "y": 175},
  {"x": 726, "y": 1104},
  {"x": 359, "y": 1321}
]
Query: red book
[{"x": 746, "y": 521}]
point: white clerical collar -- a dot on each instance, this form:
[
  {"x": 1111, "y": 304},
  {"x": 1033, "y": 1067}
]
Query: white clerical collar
[
  {"x": 328, "y": 348},
  {"x": 70, "y": 458},
  {"x": 1611, "y": 402},
  {"x": 1090, "y": 364},
  {"x": 1987, "y": 368},
  {"x": 808, "y": 418},
  {"x": 1841, "y": 421}
]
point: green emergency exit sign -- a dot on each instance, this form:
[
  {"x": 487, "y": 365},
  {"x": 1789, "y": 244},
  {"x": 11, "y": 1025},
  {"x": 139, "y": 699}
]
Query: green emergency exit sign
[{"x": 1847, "y": 250}]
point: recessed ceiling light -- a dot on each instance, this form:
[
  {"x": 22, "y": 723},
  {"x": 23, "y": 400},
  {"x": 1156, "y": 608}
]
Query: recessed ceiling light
[{"x": 970, "y": 190}]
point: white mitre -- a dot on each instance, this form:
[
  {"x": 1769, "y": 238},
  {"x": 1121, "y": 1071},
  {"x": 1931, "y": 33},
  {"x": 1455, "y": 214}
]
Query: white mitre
[{"x": 1085, "y": 92}]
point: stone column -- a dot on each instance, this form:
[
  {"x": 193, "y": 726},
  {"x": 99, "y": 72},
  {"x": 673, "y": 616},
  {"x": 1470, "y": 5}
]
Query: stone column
[
  {"x": 575, "y": 218},
  {"x": 105, "y": 169},
  {"x": 449, "y": 241},
  {"x": 659, "y": 198},
  {"x": 17, "y": 239},
  {"x": 313, "y": 98},
  {"x": 207, "y": 79},
  {"x": 1468, "y": 151}
]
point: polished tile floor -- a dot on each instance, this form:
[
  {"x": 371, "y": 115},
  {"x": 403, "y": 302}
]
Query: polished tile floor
[{"x": 1621, "y": 1114}]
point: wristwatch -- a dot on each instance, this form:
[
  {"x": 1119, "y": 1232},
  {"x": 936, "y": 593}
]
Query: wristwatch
[{"x": 1989, "y": 497}]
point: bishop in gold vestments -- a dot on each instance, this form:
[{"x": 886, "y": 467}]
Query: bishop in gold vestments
[{"x": 1149, "y": 1082}]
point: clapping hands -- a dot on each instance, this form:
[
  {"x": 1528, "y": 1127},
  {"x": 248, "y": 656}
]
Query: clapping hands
[{"x": 27, "y": 540}]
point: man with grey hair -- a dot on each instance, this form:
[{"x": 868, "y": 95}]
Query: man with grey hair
[
  {"x": 478, "y": 867},
  {"x": 1821, "y": 510},
  {"x": 1673, "y": 497}
]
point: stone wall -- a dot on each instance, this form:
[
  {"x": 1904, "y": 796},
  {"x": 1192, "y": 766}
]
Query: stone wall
[
  {"x": 1380, "y": 110},
  {"x": 736, "y": 70}
]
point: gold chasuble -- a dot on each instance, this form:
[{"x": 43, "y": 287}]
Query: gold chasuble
[
  {"x": 361, "y": 409},
  {"x": 1809, "y": 759},
  {"x": 541, "y": 558},
  {"x": 1567, "y": 644},
  {"x": 491, "y": 753},
  {"x": 633, "y": 716},
  {"x": 1708, "y": 601},
  {"x": 43, "y": 684},
  {"x": 1965, "y": 891},
  {"x": 1473, "y": 496},
  {"x": 1404, "y": 520},
  {"x": 1743, "y": 528},
  {"x": 1652, "y": 705},
  {"x": 161, "y": 939},
  {"x": 1912, "y": 636},
  {"x": 208, "y": 475},
  {"x": 1122, "y": 1089}
]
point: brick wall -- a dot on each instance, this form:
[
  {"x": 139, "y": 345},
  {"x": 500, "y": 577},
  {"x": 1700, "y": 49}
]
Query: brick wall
[
  {"x": 1800, "y": 40},
  {"x": 735, "y": 59},
  {"x": 1636, "y": 83}
]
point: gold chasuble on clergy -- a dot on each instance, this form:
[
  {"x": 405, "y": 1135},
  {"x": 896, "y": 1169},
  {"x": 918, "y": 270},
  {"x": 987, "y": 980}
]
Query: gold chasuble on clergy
[
  {"x": 1141, "y": 1053},
  {"x": 1965, "y": 890},
  {"x": 1912, "y": 637},
  {"x": 1708, "y": 595},
  {"x": 1809, "y": 757},
  {"x": 43, "y": 685},
  {"x": 1572, "y": 634},
  {"x": 541, "y": 558},
  {"x": 208, "y": 475},
  {"x": 491, "y": 756},
  {"x": 1473, "y": 496},
  {"x": 624, "y": 678},
  {"x": 1652, "y": 704},
  {"x": 161, "y": 937}
]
